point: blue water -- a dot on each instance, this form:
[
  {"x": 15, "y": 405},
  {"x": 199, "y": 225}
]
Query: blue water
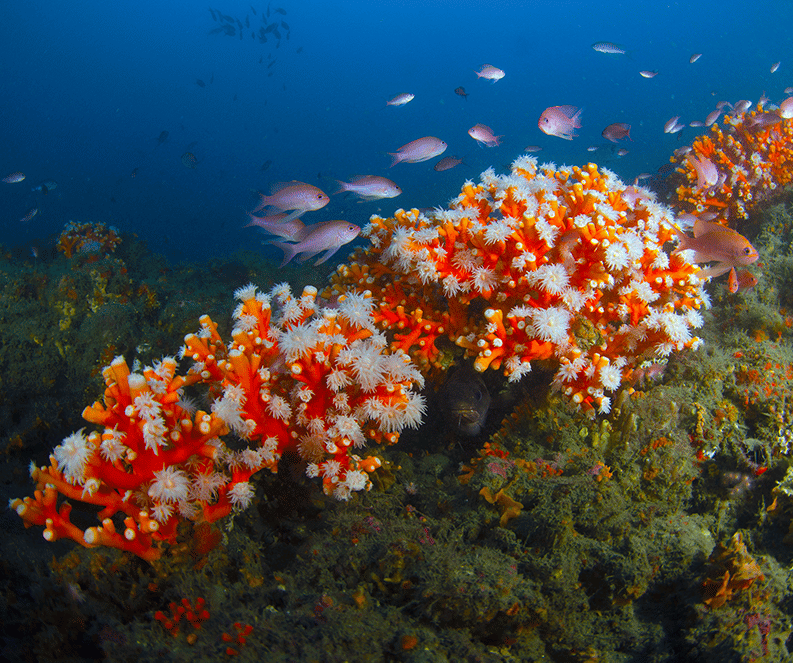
[{"x": 89, "y": 86}]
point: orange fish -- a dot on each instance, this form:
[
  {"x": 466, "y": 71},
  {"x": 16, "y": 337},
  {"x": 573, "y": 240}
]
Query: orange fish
[{"x": 713, "y": 242}]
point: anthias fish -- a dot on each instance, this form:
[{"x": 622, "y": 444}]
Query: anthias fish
[
  {"x": 490, "y": 72},
  {"x": 483, "y": 134},
  {"x": 328, "y": 237},
  {"x": 560, "y": 121},
  {"x": 617, "y": 131},
  {"x": 447, "y": 163},
  {"x": 370, "y": 187},
  {"x": 418, "y": 150},
  {"x": 401, "y": 99}
]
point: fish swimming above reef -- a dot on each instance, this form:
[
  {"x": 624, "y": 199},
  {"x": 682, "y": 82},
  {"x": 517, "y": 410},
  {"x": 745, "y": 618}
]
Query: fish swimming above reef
[
  {"x": 447, "y": 163},
  {"x": 421, "y": 149},
  {"x": 714, "y": 242},
  {"x": 560, "y": 121},
  {"x": 464, "y": 402},
  {"x": 329, "y": 237},
  {"x": 296, "y": 196},
  {"x": 371, "y": 187}
]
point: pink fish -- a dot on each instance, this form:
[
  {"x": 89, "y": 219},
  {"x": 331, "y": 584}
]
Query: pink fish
[
  {"x": 371, "y": 187},
  {"x": 401, "y": 99},
  {"x": 13, "y": 178},
  {"x": 617, "y": 131},
  {"x": 297, "y": 196},
  {"x": 490, "y": 72},
  {"x": 484, "y": 134},
  {"x": 786, "y": 108},
  {"x": 713, "y": 242},
  {"x": 421, "y": 149},
  {"x": 560, "y": 121},
  {"x": 707, "y": 173},
  {"x": 742, "y": 280},
  {"x": 329, "y": 236},
  {"x": 712, "y": 117},
  {"x": 447, "y": 163},
  {"x": 275, "y": 225}
]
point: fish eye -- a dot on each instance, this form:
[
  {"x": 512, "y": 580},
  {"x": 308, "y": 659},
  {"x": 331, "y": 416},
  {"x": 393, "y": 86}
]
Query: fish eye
[{"x": 746, "y": 251}]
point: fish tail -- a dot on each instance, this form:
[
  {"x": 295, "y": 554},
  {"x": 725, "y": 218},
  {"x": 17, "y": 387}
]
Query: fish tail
[
  {"x": 396, "y": 160},
  {"x": 342, "y": 187},
  {"x": 288, "y": 249}
]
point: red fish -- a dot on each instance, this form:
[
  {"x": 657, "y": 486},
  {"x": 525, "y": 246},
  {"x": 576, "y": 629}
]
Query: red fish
[
  {"x": 617, "y": 131},
  {"x": 419, "y": 150},
  {"x": 329, "y": 237},
  {"x": 560, "y": 121}
]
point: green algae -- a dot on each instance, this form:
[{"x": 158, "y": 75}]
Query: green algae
[{"x": 549, "y": 536}]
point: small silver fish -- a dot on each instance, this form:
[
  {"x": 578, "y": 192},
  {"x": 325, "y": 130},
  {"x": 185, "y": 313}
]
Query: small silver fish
[
  {"x": 401, "y": 99},
  {"x": 14, "y": 177},
  {"x": 608, "y": 48}
]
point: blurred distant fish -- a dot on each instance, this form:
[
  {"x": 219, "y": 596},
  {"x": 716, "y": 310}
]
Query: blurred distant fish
[
  {"x": 285, "y": 25},
  {"x": 775, "y": 66},
  {"x": 483, "y": 134},
  {"x": 400, "y": 99},
  {"x": 371, "y": 187},
  {"x": 673, "y": 125},
  {"x": 461, "y": 91},
  {"x": 622, "y": 152},
  {"x": 31, "y": 213},
  {"x": 189, "y": 160},
  {"x": 447, "y": 163},
  {"x": 279, "y": 10},
  {"x": 490, "y": 72},
  {"x": 162, "y": 137},
  {"x": 200, "y": 83},
  {"x": 608, "y": 48},
  {"x": 712, "y": 117},
  {"x": 14, "y": 177},
  {"x": 560, "y": 121},
  {"x": 253, "y": 9},
  {"x": 617, "y": 131},
  {"x": 134, "y": 173},
  {"x": 46, "y": 186},
  {"x": 421, "y": 149},
  {"x": 297, "y": 196},
  {"x": 329, "y": 237},
  {"x": 532, "y": 148},
  {"x": 695, "y": 57},
  {"x": 266, "y": 165},
  {"x": 648, "y": 74}
]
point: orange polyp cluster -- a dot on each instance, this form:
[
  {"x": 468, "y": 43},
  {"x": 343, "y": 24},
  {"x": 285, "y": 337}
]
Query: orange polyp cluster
[
  {"x": 195, "y": 615},
  {"x": 754, "y": 161},
  {"x": 94, "y": 238},
  {"x": 538, "y": 264}
]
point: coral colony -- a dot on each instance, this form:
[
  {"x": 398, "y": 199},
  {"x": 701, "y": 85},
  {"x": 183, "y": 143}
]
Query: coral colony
[{"x": 564, "y": 264}]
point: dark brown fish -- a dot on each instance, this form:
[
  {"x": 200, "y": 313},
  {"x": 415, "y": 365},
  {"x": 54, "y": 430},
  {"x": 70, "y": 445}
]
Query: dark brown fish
[
  {"x": 266, "y": 165},
  {"x": 447, "y": 163},
  {"x": 465, "y": 401},
  {"x": 162, "y": 137},
  {"x": 189, "y": 160},
  {"x": 617, "y": 131},
  {"x": 461, "y": 91},
  {"x": 285, "y": 25}
]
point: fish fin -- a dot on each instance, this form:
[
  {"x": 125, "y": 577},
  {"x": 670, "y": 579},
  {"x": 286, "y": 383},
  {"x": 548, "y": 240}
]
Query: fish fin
[
  {"x": 328, "y": 254},
  {"x": 292, "y": 215},
  {"x": 716, "y": 270}
]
